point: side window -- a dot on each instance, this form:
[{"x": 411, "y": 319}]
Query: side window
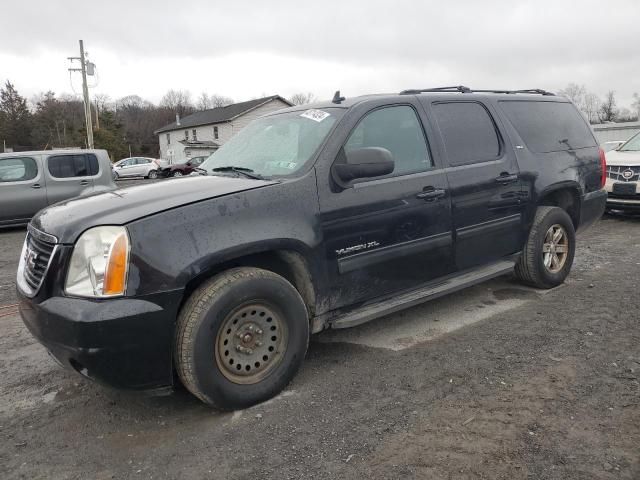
[
  {"x": 398, "y": 130},
  {"x": 215, "y": 133},
  {"x": 68, "y": 166},
  {"x": 549, "y": 126},
  {"x": 468, "y": 132},
  {"x": 18, "y": 169},
  {"x": 94, "y": 167},
  {"x": 141, "y": 161}
]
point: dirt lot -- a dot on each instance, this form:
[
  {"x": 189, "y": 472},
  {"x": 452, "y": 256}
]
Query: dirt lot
[{"x": 498, "y": 381}]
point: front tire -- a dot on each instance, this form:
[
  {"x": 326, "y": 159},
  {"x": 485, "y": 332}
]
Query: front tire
[
  {"x": 176, "y": 173},
  {"x": 241, "y": 338},
  {"x": 547, "y": 256}
]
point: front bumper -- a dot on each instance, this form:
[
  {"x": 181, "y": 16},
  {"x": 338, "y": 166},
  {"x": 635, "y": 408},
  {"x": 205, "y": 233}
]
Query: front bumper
[{"x": 124, "y": 342}]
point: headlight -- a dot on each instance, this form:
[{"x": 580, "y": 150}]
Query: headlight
[{"x": 99, "y": 263}]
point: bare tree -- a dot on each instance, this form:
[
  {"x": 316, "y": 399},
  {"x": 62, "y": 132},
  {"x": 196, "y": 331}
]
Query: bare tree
[
  {"x": 179, "y": 101},
  {"x": 608, "y": 111},
  {"x": 206, "y": 101},
  {"x": 636, "y": 105},
  {"x": 302, "y": 98},
  {"x": 591, "y": 106},
  {"x": 576, "y": 93}
]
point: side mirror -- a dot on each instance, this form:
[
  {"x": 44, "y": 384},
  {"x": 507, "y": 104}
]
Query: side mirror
[{"x": 364, "y": 162}]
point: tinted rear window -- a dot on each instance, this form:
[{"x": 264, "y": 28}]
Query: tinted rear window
[
  {"x": 67, "y": 166},
  {"x": 548, "y": 126},
  {"x": 468, "y": 132}
]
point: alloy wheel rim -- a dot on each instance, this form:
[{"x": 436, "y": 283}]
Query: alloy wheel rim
[
  {"x": 251, "y": 342},
  {"x": 555, "y": 249},
  {"x": 177, "y": 174}
]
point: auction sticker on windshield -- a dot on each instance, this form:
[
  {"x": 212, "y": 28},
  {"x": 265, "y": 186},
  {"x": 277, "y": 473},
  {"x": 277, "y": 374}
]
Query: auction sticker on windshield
[{"x": 315, "y": 115}]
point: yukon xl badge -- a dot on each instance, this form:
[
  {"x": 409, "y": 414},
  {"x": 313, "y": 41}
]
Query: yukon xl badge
[{"x": 357, "y": 248}]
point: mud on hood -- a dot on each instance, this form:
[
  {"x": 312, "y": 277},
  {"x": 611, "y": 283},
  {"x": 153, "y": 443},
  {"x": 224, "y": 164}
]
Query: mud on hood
[{"x": 67, "y": 220}]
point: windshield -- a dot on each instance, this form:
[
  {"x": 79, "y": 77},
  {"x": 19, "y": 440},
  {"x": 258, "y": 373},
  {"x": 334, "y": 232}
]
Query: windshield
[
  {"x": 277, "y": 145},
  {"x": 632, "y": 145}
]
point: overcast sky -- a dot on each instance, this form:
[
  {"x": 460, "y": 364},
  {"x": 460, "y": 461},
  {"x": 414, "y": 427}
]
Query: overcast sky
[{"x": 245, "y": 49}]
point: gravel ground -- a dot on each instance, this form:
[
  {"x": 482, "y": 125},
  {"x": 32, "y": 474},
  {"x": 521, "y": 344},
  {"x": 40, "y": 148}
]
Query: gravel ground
[{"x": 548, "y": 388}]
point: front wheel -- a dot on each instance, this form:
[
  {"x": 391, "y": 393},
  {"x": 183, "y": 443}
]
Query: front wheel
[
  {"x": 176, "y": 173},
  {"x": 241, "y": 338},
  {"x": 547, "y": 256}
]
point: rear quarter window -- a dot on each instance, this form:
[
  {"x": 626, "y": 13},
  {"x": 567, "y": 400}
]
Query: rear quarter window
[{"x": 548, "y": 126}]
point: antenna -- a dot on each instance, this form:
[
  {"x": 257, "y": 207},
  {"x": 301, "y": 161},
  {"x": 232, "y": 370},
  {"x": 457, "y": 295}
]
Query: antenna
[{"x": 337, "y": 98}]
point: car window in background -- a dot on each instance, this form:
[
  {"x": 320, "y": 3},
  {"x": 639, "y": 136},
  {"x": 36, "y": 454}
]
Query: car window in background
[
  {"x": 632, "y": 145},
  {"x": 18, "y": 169},
  {"x": 398, "y": 130},
  {"x": 468, "y": 132},
  {"x": 277, "y": 145},
  {"x": 68, "y": 166},
  {"x": 548, "y": 126}
]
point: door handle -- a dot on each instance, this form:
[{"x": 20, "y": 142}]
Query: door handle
[
  {"x": 505, "y": 178},
  {"x": 35, "y": 185},
  {"x": 84, "y": 182},
  {"x": 430, "y": 193}
]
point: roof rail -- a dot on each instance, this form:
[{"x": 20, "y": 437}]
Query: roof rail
[{"x": 463, "y": 89}]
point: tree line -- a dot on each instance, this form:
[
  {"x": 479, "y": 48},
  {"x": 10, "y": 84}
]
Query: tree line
[
  {"x": 122, "y": 126},
  {"x": 125, "y": 126},
  {"x": 598, "y": 110}
]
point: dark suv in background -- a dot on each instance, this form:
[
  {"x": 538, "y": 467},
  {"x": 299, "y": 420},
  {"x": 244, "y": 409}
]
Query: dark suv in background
[{"x": 310, "y": 218}]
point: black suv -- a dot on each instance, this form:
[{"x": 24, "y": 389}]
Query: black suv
[{"x": 310, "y": 218}]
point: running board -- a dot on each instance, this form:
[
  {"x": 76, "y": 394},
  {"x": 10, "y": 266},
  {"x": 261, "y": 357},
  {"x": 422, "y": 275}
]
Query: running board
[{"x": 416, "y": 297}]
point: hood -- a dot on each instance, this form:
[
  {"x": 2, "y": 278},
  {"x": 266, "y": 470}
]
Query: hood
[
  {"x": 68, "y": 219},
  {"x": 621, "y": 158}
]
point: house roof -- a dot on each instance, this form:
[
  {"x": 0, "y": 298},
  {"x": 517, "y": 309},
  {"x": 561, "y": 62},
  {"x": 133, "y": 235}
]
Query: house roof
[{"x": 219, "y": 114}]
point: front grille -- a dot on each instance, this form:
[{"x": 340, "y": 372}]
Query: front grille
[
  {"x": 37, "y": 254},
  {"x": 623, "y": 174}
]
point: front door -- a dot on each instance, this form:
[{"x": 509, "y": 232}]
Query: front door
[
  {"x": 393, "y": 233},
  {"x": 484, "y": 179},
  {"x": 22, "y": 188}
]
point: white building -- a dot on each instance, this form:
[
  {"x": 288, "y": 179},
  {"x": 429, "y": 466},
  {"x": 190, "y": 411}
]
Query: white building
[{"x": 201, "y": 133}]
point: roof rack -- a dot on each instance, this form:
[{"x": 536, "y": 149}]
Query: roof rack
[{"x": 463, "y": 89}]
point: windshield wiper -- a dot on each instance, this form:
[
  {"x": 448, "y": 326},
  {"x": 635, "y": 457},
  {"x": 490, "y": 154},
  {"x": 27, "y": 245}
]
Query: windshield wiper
[{"x": 247, "y": 172}]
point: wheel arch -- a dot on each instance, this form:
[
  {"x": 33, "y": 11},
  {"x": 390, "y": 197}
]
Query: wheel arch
[
  {"x": 566, "y": 195},
  {"x": 287, "y": 260}
]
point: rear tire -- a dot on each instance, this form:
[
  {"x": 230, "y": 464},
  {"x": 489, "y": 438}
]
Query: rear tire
[
  {"x": 241, "y": 337},
  {"x": 547, "y": 256},
  {"x": 152, "y": 174}
]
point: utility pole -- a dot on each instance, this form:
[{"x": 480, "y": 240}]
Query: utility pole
[{"x": 85, "y": 93}]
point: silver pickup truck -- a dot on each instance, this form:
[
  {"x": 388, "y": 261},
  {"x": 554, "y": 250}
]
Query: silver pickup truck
[{"x": 30, "y": 181}]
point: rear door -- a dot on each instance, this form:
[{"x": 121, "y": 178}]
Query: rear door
[
  {"x": 391, "y": 233},
  {"x": 22, "y": 188},
  {"x": 484, "y": 179},
  {"x": 70, "y": 175}
]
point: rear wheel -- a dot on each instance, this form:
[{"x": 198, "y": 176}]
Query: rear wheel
[
  {"x": 241, "y": 337},
  {"x": 548, "y": 254},
  {"x": 152, "y": 174}
]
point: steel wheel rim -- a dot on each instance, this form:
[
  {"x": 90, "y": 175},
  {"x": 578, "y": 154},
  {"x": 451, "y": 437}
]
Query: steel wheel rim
[
  {"x": 251, "y": 343},
  {"x": 555, "y": 249}
]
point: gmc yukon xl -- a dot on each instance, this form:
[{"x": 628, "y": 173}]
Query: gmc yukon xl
[{"x": 312, "y": 217}]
